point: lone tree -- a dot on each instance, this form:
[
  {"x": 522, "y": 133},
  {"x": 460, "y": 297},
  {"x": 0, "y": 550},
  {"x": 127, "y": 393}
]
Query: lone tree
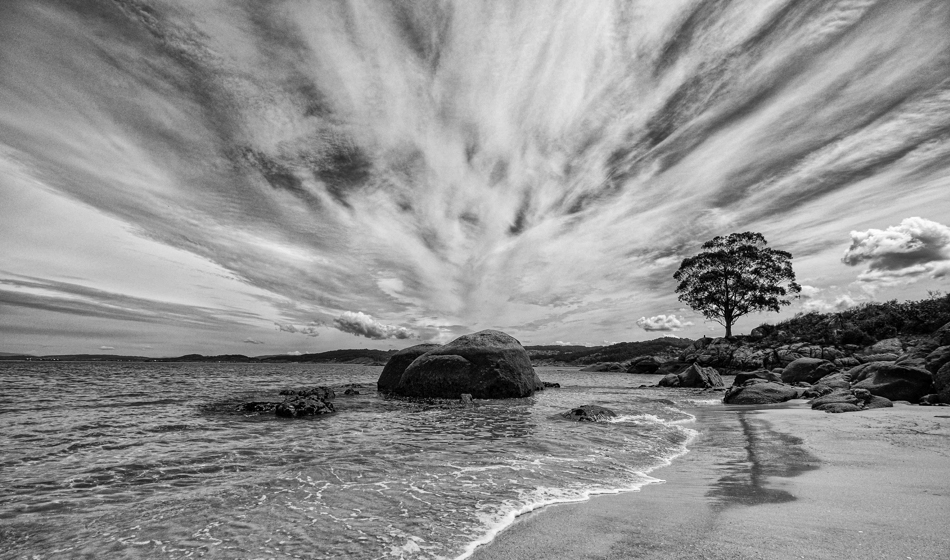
[{"x": 734, "y": 276}]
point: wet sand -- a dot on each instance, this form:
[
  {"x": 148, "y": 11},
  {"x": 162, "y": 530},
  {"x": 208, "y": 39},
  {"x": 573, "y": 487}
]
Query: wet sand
[{"x": 769, "y": 483}]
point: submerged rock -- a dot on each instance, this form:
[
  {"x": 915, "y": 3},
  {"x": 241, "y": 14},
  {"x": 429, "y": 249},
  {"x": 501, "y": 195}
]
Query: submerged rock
[
  {"x": 589, "y": 413},
  {"x": 549, "y": 385},
  {"x": 488, "y": 365},
  {"x": 295, "y": 407}
]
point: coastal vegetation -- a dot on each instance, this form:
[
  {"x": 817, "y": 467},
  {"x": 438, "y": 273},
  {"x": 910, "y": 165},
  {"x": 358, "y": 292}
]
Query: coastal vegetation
[
  {"x": 866, "y": 323},
  {"x": 734, "y": 276}
]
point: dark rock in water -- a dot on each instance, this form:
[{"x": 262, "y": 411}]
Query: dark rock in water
[
  {"x": 891, "y": 381},
  {"x": 351, "y": 392},
  {"x": 760, "y": 392},
  {"x": 698, "y": 376},
  {"x": 589, "y": 413},
  {"x": 488, "y": 365},
  {"x": 808, "y": 370},
  {"x": 321, "y": 393},
  {"x": 605, "y": 366},
  {"x": 742, "y": 378},
  {"x": 695, "y": 376},
  {"x": 397, "y": 364},
  {"x": 670, "y": 380},
  {"x": 549, "y": 385},
  {"x": 295, "y": 407},
  {"x": 259, "y": 406},
  {"x": 467, "y": 399}
]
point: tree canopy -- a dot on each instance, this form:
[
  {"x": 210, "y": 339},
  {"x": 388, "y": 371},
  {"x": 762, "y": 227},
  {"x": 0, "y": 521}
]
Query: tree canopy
[{"x": 734, "y": 276}]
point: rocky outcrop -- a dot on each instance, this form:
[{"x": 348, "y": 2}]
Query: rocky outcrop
[
  {"x": 942, "y": 335},
  {"x": 760, "y": 392},
  {"x": 764, "y": 375},
  {"x": 549, "y": 385},
  {"x": 589, "y": 413},
  {"x": 644, "y": 365},
  {"x": 844, "y": 400},
  {"x": 892, "y": 381},
  {"x": 807, "y": 370},
  {"x": 693, "y": 376},
  {"x": 488, "y": 365},
  {"x": 397, "y": 364}
]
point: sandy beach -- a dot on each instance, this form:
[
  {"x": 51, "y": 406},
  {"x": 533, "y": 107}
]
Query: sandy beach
[{"x": 769, "y": 483}]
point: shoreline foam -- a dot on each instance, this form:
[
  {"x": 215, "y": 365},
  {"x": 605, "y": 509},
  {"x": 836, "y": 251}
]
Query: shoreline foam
[
  {"x": 768, "y": 483},
  {"x": 512, "y": 517}
]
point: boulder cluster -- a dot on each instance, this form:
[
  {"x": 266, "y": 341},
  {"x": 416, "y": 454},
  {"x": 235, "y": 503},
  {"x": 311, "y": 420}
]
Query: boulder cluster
[
  {"x": 297, "y": 403},
  {"x": 837, "y": 378},
  {"x": 486, "y": 365}
]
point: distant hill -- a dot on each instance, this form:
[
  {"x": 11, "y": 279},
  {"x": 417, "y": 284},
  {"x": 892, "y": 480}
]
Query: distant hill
[
  {"x": 540, "y": 355},
  {"x": 623, "y": 351}
]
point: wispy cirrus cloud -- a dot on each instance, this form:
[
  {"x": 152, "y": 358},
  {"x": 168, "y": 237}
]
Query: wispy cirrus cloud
[{"x": 483, "y": 163}]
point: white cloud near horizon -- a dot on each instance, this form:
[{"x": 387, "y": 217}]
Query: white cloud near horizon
[
  {"x": 666, "y": 323},
  {"x": 916, "y": 248},
  {"x": 361, "y": 324},
  {"x": 309, "y": 329}
]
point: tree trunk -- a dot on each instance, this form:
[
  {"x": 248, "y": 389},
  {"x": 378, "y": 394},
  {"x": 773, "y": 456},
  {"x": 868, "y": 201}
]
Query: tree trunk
[{"x": 728, "y": 330}]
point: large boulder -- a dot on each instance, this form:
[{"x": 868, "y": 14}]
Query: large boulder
[
  {"x": 942, "y": 383},
  {"x": 672, "y": 368},
  {"x": 397, "y": 365},
  {"x": 487, "y": 365},
  {"x": 764, "y": 375},
  {"x": 589, "y": 413},
  {"x": 645, "y": 364},
  {"x": 695, "y": 376},
  {"x": 886, "y": 346},
  {"x": 916, "y": 355},
  {"x": 942, "y": 335},
  {"x": 843, "y": 400},
  {"x": 761, "y": 392},
  {"x": 892, "y": 381},
  {"x": 808, "y": 370},
  {"x": 936, "y": 359}
]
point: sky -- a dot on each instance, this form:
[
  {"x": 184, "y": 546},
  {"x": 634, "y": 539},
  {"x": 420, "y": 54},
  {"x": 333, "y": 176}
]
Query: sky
[{"x": 234, "y": 176}]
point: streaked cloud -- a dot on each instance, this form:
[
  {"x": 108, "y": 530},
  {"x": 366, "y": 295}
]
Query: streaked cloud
[
  {"x": 252, "y": 341},
  {"x": 107, "y": 348},
  {"x": 450, "y": 166}
]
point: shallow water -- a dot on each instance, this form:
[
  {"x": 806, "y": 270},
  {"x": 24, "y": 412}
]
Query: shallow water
[{"x": 154, "y": 460}]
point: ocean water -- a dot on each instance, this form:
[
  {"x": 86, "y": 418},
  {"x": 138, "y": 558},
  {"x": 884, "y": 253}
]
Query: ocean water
[{"x": 110, "y": 460}]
